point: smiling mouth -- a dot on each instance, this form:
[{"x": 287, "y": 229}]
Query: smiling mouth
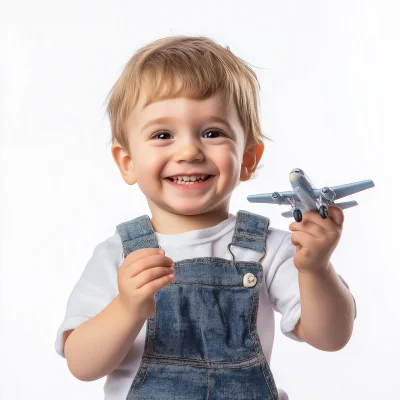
[{"x": 190, "y": 182}]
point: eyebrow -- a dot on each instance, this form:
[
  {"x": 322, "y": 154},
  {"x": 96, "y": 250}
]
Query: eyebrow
[{"x": 164, "y": 120}]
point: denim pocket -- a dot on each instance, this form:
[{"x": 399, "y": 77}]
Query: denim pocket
[{"x": 169, "y": 382}]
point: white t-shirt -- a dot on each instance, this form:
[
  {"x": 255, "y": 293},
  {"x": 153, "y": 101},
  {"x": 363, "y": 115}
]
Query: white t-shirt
[{"x": 98, "y": 286}]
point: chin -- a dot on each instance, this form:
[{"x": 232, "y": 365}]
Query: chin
[{"x": 187, "y": 211}]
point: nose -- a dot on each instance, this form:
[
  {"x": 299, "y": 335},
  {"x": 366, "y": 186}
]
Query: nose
[{"x": 189, "y": 151}]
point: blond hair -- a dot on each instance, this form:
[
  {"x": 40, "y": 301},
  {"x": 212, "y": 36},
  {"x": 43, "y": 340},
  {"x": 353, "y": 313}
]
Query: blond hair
[{"x": 190, "y": 66}]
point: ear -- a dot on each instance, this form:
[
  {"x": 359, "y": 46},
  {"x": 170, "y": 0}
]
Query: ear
[
  {"x": 124, "y": 163},
  {"x": 251, "y": 158}
]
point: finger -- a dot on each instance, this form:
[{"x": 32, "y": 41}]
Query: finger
[
  {"x": 309, "y": 227},
  {"x": 154, "y": 286},
  {"x": 150, "y": 275},
  {"x": 142, "y": 264},
  {"x": 140, "y": 253},
  {"x": 336, "y": 214},
  {"x": 325, "y": 223},
  {"x": 295, "y": 242},
  {"x": 302, "y": 239}
]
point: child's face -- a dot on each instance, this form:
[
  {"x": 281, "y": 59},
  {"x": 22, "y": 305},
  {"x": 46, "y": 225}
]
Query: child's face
[{"x": 186, "y": 141}]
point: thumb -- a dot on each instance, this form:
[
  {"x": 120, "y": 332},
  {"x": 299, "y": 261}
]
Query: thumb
[{"x": 336, "y": 214}]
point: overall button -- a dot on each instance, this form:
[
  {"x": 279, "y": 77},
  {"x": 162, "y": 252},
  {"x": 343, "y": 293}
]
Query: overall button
[{"x": 249, "y": 280}]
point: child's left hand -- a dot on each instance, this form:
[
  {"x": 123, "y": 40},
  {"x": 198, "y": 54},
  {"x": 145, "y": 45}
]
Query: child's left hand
[{"x": 316, "y": 238}]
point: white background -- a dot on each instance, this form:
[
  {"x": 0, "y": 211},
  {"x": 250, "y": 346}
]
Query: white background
[{"x": 329, "y": 75}]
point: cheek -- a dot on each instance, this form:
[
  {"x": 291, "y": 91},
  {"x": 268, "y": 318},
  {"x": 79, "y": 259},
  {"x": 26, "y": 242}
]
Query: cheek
[
  {"x": 228, "y": 160},
  {"x": 229, "y": 166},
  {"x": 146, "y": 162}
]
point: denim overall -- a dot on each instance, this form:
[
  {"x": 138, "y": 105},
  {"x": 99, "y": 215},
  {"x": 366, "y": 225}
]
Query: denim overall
[{"x": 202, "y": 341}]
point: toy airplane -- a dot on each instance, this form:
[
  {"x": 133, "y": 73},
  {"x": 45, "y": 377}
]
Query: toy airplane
[{"x": 306, "y": 197}]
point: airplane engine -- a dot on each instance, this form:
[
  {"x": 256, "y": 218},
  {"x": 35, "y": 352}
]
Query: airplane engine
[
  {"x": 277, "y": 198},
  {"x": 328, "y": 193}
]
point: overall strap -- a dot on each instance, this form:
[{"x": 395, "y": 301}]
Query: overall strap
[
  {"x": 251, "y": 232},
  {"x": 137, "y": 234}
]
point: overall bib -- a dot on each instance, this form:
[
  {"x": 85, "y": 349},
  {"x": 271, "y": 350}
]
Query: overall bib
[{"x": 202, "y": 341}]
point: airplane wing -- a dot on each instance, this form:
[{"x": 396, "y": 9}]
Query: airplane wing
[
  {"x": 348, "y": 189},
  {"x": 268, "y": 198}
]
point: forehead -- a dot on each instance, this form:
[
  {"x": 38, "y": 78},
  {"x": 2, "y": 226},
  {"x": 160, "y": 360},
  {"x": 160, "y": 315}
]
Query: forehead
[{"x": 217, "y": 104}]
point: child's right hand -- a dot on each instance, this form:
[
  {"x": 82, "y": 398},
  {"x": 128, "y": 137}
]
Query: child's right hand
[{"x": 142, "y": 274}]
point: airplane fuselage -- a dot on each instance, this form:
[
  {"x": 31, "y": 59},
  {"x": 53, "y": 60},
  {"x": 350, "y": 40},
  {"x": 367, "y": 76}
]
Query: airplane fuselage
[{"x": 304, "y": 189}]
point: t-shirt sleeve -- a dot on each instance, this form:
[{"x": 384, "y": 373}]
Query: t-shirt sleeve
[
  {"x": 96, "y": 288},
  {"x": 283, "y": 287}
]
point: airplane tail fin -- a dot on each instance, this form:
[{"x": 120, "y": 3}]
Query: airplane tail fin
[{"x": 346, "y": 204}]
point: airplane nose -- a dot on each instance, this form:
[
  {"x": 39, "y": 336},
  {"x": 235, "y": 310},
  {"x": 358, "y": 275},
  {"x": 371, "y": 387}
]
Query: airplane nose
[{"x": 294, "y": 176}]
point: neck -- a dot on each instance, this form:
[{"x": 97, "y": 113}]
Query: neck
[{"x": 169, "y": 223}]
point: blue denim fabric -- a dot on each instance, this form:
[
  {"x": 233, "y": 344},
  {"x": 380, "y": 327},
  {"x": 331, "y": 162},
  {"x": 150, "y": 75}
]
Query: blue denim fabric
[{"x": 202, "y": 342}]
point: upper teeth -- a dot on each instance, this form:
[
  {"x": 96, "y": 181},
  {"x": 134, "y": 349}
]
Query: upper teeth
[{"x": 190, "y": 178}]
